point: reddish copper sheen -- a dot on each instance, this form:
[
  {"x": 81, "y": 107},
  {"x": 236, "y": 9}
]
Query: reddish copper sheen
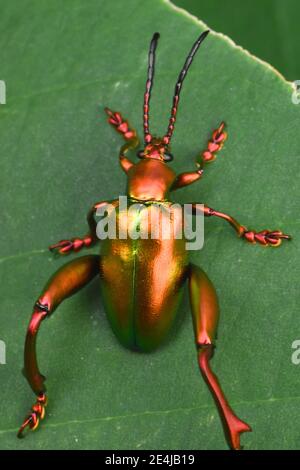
[
  {"x": 121, "y": 126},
  {"x": 233, "y": 426},
  {"x": 264, "y": 237},
  {"x": 72, "y": 245},
  {"x": 37, "y": 413},
  {"x": 214, "y": 145},
  {"x": 204, "y": 299},
  {"x": 155, "y": 149},
  {"x": 172, "y": 120},
  {"x": 142, "y": 280},
  {"x": 148, "y": 136}
]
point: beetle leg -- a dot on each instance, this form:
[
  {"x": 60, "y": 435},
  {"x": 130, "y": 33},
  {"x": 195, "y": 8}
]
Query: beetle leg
[
  {"x": 64, "y": 247},
  {"x": 36, "y": 414},
  {"x": 66, "y": 281},
  {"x": 130, "y": 136},
  {"x": 214, "y": 145},
  {"x": 186, "y": 178},
  {"x": 264, "y": 237},
  {"x": 205, "y": 311}
]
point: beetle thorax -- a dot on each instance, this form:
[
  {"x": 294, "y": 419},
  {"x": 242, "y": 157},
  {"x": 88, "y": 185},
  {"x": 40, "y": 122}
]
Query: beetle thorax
[{"x": 150, "y": 179}]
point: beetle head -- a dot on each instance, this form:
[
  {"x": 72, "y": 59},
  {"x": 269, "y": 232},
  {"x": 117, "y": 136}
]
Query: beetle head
[{"x": 156, "y": 149}]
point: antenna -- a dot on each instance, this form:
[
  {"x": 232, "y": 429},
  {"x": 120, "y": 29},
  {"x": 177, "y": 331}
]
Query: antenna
[
  {"x": 149, "y": 84},
  {"x": 178, "y": 85}
]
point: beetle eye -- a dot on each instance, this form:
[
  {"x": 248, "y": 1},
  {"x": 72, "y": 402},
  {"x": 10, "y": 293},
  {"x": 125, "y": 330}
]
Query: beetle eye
[
  {"x": 168, "y": 157},
  {"x": 140, "y": 154}
]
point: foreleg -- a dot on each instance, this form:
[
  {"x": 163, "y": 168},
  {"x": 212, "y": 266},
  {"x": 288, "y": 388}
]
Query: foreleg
[{"x": 129, "y": 135}]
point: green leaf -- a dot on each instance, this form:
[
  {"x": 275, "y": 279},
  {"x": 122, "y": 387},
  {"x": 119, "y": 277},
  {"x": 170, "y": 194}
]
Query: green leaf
[
  {"x": 62, "y": 61},
  {"x": 267, "y": 28}
]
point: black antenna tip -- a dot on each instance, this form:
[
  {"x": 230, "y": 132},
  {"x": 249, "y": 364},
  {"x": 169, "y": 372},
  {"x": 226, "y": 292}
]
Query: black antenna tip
[
  {"x": 203, "y": 36},
  {"x": 156, "y": 36}
]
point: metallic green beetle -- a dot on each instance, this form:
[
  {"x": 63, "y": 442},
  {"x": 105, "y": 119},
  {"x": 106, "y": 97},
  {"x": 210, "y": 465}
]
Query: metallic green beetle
[{"x": 150, "y": 273}]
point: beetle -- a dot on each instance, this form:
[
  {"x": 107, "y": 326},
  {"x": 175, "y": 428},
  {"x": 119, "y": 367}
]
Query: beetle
[{"x": 150, "y": 273}]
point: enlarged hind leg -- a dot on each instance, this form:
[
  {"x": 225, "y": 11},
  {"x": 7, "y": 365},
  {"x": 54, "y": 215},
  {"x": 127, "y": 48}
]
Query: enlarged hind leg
[
  {"x": 204, "y": 305},
  {"x": 66, "y": 281}
]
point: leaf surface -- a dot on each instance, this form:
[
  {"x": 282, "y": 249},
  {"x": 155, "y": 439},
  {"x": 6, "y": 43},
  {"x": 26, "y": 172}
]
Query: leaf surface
[{"x": 62, "y": 61}]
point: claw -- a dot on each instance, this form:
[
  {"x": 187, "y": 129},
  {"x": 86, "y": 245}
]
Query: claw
[
  {"x": 219, "y": 135},
  {"x": 33, "y": 419},
  {"x": 113, "y": 118},
  {"x": 278, "y": 235},
  {"x": 62, "y": 247},
  {"x": 275, "y": 238},
  {"x": 27, "y": 422}
]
